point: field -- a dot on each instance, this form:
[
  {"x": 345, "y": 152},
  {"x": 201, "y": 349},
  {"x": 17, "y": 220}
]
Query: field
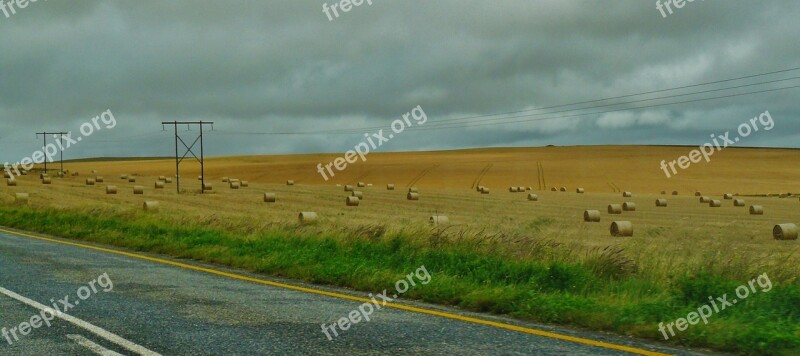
[{"x": 678, "y": 255}]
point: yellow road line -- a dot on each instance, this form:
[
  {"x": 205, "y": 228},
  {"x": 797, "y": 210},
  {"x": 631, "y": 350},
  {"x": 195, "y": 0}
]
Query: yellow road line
[{"x": 348, "y": 297}]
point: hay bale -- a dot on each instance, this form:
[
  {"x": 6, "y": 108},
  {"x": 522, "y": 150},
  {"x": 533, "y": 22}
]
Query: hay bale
[
  {"x": 728, "y": 196},
  {"x": 270, "y": 197},
  {"x": 348, "y": 188},
  {"x": 21, "y": 198},
  {"x": 123, "y": 176},
  {"x": 756, "y": 210},
  {"x": 75, "y": 174},
  {"x": 236, "y": 180},
  {"x": 47, "y": 180},
  {"x": 705, "y": 199},
  {"x": 738, "y": 202},
  {"x": 358, "y": 194},
  {"x": 412, "y": 196},
  {"x": 663, "y": 192},
  {"x": 43, "y": 175},
  {"x": 234, "y": 184},
  {"x": 533, "y": 197},
  {"x": 159, "y": 185},
  {"x": 168, "y": 180},
  {"x": 698, "y": 194},
  {"x": 11, "y": 182},
  {"x": 439, "y": 220},
  {"x": 621, "y": 228},
  {"x": 111, "y": 189},
  {"x": 199, "y": 177},
  {"x": 614, "y": 209},
  {"x": 308, "y": 217},
  {"x": 225, "y": 180},
  {"x": 485, "y": 190},
  {"x": 390, "y": 187},
  {"x": 138, "y": 190},
  {"x": 521, "y": 189},
  {"x": 162, "y": 178},
  {"x": 413, "y": 190},
  {"x": 563, "y": 189},
  {"x": 553, "y": 189},
  {"x": 629, "y": 206},
  {"x": 627, "y": 194},
  {"x": 99, "y": 179},
  {"x": 512, "y": 189},
  {"x": 94, "y": 171},
  {"x": 150, "y": 206},
  {"x": 245, "y": 184},
  {"x": 361, "y": 184},
  {"x": 90, "y": 181},
  {"x": 352, "y": 201},
  {"x": 591, "y": 216},
  {"x": 661, "y": 203},
  {"x": 369, "y": 185},
  {"x": 580, "y": 191},
  {"x": 715, "y": 203},
  {"x": 528, "y": 188},
  {"x": 785, "y": 232},
  {"x": 208, "y": 186},
  {"x": 674, "y": 192},
  {"x": 131, "y": 179},
  {"x": 289, "y": 182}
]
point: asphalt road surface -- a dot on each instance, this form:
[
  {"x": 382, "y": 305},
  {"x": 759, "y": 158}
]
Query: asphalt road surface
[{"x": 128, "y": 304}]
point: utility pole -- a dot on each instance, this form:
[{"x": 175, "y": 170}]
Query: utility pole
[
  {"x": 179, "y": 159},
  {"x": 58, "y": 135}
]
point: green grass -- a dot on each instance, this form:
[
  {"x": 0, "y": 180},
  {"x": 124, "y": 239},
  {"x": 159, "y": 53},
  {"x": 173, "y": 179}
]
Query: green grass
[{"x": 603, "y": 290}]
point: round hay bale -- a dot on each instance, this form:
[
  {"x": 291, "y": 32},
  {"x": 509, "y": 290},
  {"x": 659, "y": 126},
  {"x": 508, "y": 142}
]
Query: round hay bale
[
  {"x": 234, "y": 184},
  {"x": 738, "y": 202},
  {"x": 553, "y": 189},
  {"x": 485, "y": 190},
  {"x": 756, "y": 210},
  {"x": 358, "y": 194},
  {"x": 662, "y": 203},
  {"x": 290, "y": 182},
  {"x": 361, "y": 184},
  {"x": 199, "y": 177},
  {"x": 627, "y": 194},
  {"x": 413, "y": 190},
  {"x": 728, "y": 196},
  {"x": 512, "y": 189},
  {"x": 369, "y": 185},
  {"x": 162, "y": 178},
  {"x": 21, "y": 198},
  {"x": 47, "y": 180},
  {"x": 11, "y": 182},
  {"x": 533, "y": 197},
  {"x": 89, "y": 181},
  {"x": 614, "y": 209},
  {"x": 99, "y": 179},
  {"x": 785, "y": 232},
  {"x": 591, "y": 216},
  {"x": 270, "y": 197},
  {"x": 563, "y": 189},
  {"x": 705, "y": 199},
  {"x": 528, "y": 188},
  {"x": 698, "y": 194},
  {"x": 674, "y": 192},
  {"x": 159, "y": 185},
  {"x": 390, "y": 187},
  {"x": 208, "y": 186},
  {"x": 439, "y": 220},
  {"x": 43, "y": 175},
  {"x": 111, "y": 189},
  {"x": 308, "y": 217},
  {"x": 629, "y": 206},
  {"x": 225, "y": 180},
  {"x": 348, "y": 188},
  {"x": 715, "y": 203},
  {"x": 580, "y": 191},
  {"x": 131, "y": 179},
  {"x": 138, "y": 189},
  {"x": 412, "y": 196},
  {"x": 150, "y": 205},
  {"x": 123, "y": 176},
  {"x": 352, "y": 201},
  {"x": 168, "y": 180},
  {"x": 94, "y": 171},
  {"x": 245, "y": 184},
  {"x": 621, "y": 228},
  {"x": 234, "y": 180},
  {"x": 521, "y": 189}
]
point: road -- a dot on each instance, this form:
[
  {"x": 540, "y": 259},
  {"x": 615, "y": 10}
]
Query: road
[{"x": 147, "y": 304}]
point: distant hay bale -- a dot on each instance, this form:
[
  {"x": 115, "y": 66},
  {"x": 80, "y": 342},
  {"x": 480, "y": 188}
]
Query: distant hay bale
[
  {"x": 43, "y": 175},
  {"x": 358, "y": 194},
  {"x": 111, "y": 189},
  {"x": 390, "y": 187},
  {"x": 785, "y": 232},
  {"x": 614, "y": 209},
  {"x": 361, "y": 184},
  {"x": 738, "y": 202},
  {"x": 235, "y": 184},
  {"x": 698, "y": 194},
  {"x": 521, "y": 189},
  {"x": 21, "y": 198},
  {"x": 782, "y": 196},
  {"x": 533, "y": 197},
  {"x": 75, "y": 174},
  {"x": 369, "y": 185},
  {"x": 159, "y": 185},
  {"x": 232, "y": 180},
  {"x": 123, "y": 176},
  {"x": 11, "y": 182},
  {"x": 629, "y": 206},
  {"x": 162, "y": 178},
  {"x": 528, "y": 188},
  {"x": 90, "y": 181},
  {"x": 728, "y": 196},
  {"x": 131, "y": 179},
  {"x": 208, "y": 186},
  {"x": 553, "y": 189},
  {"x": 439, "y": 220},
  {"x": 168, "y": 180},
  {"x": 580, "y": 190},
  {"x": 412, "y": 196},
  {"x": 512, "y": 189},
  {"x": 621, "y": 228},
  {"x": 485, "y": 190},
  {"x": 270, "y": 197},
  {"x": 99, "y": 179},
  {"x": 563, "y": 189},
  {"x": 308, "y": 217},
  {"x": 756, "y": 210},
  {"x": 150, "y": 206},
  {"x": 413, "y": 190},
  {"x": 225, "y": 179},
  {"x": 245, "y": 184},
  {"x": 663, "y": 192},
  {"x": 674, "y": 192},
  {"x": 94, "y": 171},
  {"x": 627, "y": 194},
  {"x": 705, "y": 199},
  {"x": 478, "y": 188},
  {"x": 591, "y": 216},
  {"x": 348, "y": 188},
  {"x": 352, "y": 201},
  {"x": 47, "y": 180},
  {"x": 715, "y": 203},
  {"x": 138, "y": 189},
  {"x": 60, "y": 174},
  {"x": 290, "y": 182},
  {"x": 662, "y": 203}
]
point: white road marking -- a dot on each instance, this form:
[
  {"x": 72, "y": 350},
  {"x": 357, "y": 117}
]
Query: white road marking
[
  {"x": 128, "y": 345},
  {"x": 102, "y": 351}
]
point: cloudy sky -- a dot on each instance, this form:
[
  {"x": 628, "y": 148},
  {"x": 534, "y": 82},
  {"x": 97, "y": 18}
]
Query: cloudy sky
[{"x": 262, "y": 67}]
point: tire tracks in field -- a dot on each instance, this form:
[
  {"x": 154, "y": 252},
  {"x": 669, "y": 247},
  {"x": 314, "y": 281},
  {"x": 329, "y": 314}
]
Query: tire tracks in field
[
  {"x": 540, "y": 175},
  {"x": 422, "y": 175},
  {"x": 482, "y": 174}
]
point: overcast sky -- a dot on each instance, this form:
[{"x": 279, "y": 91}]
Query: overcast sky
[{"x": 282, "y": 66}]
